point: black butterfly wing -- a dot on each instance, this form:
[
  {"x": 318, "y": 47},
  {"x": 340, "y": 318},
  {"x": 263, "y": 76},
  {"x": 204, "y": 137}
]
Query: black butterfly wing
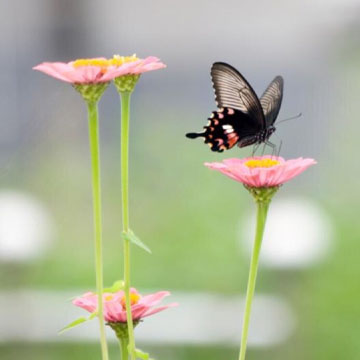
[
  {"x": 240, "y": 119},
  {"x": 234, "y": 92},
  {"x": 271, "y": 100},
  {"x": 226, "y": 128}
]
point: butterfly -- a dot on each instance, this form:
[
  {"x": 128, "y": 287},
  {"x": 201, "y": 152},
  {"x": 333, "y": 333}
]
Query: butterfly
[{"x": 242, "y": 118}]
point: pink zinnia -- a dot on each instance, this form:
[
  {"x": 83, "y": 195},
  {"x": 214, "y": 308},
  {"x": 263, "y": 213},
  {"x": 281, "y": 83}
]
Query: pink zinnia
[
  {"x": 262, "y": 171},
  {"x": 83, "y": 71},
  {"x": 99, "y": 70},
  {"x": 114, "y": 304},
  {"x": 136, "y": 66}
]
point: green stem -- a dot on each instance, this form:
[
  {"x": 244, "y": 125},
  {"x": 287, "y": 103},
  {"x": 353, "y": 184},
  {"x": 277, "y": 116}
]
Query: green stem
[
  {"x": 125, "y": 116},
  {"x": 262, "y": 208},
  {"x": 96, "y": 190},
  {"x": 123, "y": 342}
]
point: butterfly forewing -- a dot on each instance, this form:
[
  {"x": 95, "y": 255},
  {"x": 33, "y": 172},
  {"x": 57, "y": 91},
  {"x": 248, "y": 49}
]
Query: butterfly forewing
[
  {"x": 271, "y": 100},
  {"x": 233, "y": 91}
]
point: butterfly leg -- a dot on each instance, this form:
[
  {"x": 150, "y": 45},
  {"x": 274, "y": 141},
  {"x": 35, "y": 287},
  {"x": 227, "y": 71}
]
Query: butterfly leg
[
  {"x": 256, "y": 146},
  {"x": 273, "y": 147},
  {"x": 278, "y": 153},
  {"x": 263, "y": 150}
]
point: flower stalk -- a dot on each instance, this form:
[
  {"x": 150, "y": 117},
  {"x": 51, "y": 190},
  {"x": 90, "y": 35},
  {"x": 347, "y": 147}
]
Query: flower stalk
[
  {"x": 262, "y": 209},
  {"x": 121, "y": 332},
  {"x": 125, "y": 119},
  {"x": 123, "y": 342},
  {"x": 96, "y": 190}
]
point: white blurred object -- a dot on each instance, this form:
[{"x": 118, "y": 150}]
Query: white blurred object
[
  {"x": 26, "y": 228},
  {"x": 201, "y": 318},
  {"x": 297, "y": 234}
]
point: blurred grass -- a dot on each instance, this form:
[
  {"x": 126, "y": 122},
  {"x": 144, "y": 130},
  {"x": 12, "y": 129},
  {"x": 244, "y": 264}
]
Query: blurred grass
[
  {"x": 178, "y": 207},
  {"x": 187, "y": 214},
  {"x": 90, "y": 351}
]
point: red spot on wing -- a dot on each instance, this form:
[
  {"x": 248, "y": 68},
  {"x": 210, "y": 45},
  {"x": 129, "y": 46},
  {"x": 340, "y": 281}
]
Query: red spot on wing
[{"x": 232, "y": 140}]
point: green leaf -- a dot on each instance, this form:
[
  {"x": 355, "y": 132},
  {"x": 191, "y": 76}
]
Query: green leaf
[
  {"x": 142, "y": 355},
  {"x": 135, "y": 240},
  {"x": 77, "y": 322},
  {"x": 73, "y": 324},
  {"x": 115, "y": 287},
  {"x": 93, "y": 315}
]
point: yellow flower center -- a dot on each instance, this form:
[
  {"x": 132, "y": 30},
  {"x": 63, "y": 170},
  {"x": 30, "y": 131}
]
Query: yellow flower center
[
  {"x": 109, "y": 297},
  {"x": 264, "y": 163},
  {"x": 134, "y": 299},
  {"x": 118, "y": 60},
  {"x": 103, "y": 63}
]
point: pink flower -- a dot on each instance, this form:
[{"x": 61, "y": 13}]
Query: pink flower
[
  {"x": 114, "y": 304},
  {"x": 262, "y": 171},
  {"x": 82, "y": 71},
  {"x": 148, "y": 64},
  {"x": 131, "y": 65},
  {"x": 99, "y": 70}
]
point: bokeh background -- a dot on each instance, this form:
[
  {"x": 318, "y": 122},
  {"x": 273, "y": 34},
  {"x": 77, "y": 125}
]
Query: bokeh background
[{"x": 197, "y": 222}]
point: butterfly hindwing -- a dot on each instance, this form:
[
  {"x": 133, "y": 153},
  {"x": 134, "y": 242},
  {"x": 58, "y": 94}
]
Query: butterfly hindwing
[
  {"x": 271, "y": 100},
  {"x": 223, "y": 131}
]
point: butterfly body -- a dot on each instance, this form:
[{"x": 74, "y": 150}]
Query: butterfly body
[{"x": 242, "y": 118}]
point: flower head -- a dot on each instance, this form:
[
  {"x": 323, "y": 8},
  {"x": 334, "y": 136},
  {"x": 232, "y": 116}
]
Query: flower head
[
  {"x": 97, "y": 70},
  {"x": 133, "y": 65},
  {"x": 84, "y": 72},
  {"x": 90, "y": 77},
  {"x": 115, "y": 308},
  {"x": 81, "y": 71},
  {"x": 262, "y": 171},
  {"x": 130, "y": 68}
]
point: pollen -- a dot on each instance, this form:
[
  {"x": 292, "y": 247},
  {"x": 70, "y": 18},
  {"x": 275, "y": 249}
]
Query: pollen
[
  {"x": 118, "y": 60},
  {"x": 134, "y": 299},
  {"x": 102, "y": 63},
  {"x": 262, "y": 163}
]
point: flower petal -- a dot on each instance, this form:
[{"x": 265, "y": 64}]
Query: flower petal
[
  {"x": 158, "y": 309},
  {"x": 87, "y": 302},
  {"x": 57, "y": 70},
  {"x": 259, "y": 176},
  {"x": 138, "y": 312},
  {"x": 148, "y": 64},
  {"x": 153, "y": 299},
  {"x": 112, "y": 311}
]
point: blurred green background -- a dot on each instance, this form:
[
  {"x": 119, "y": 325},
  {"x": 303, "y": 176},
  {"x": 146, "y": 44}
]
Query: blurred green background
[{"x": 191, "y": 217}]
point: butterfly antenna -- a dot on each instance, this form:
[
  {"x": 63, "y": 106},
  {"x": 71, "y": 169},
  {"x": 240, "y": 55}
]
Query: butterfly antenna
[{"x": 290, "y": 118}]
